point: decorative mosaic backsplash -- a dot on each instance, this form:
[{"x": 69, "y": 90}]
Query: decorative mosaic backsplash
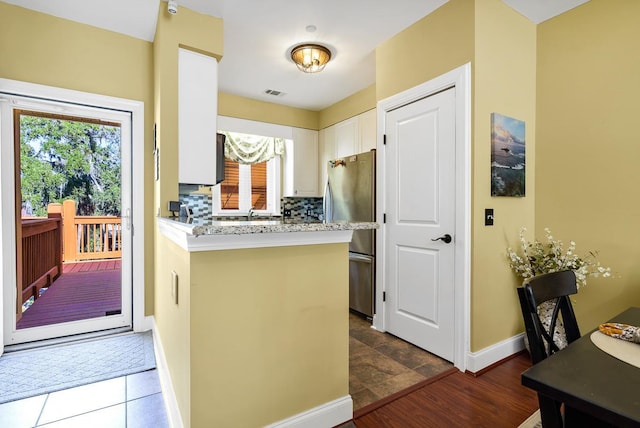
[
  {"x": 201, "y": 205},
  {"x": 303, "y": 208},
  {"x": 308, "y": 209}
]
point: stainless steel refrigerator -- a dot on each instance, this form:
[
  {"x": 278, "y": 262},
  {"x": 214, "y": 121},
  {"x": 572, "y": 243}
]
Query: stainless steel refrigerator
[{"x": 350, "y": 195}]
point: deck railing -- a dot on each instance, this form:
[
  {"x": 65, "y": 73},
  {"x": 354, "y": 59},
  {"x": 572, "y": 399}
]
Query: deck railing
[
  {"x": 41, "y": 256},
  {"x": 88, "y": 237},
  {"x": 62, "y": 237}
]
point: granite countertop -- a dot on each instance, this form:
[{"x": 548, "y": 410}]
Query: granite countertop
[{"x": 202, "y": 226}]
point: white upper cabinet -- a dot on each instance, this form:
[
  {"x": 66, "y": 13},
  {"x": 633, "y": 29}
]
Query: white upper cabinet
[
  {"x": 354, "y": 135},
  {"x": 197, "y": 114},
  {"x": 368, "y": 131},
  {"x": 347, "y": 135},
  {"x": 301, "y": 164},
  {"x": 326, "y": 152}
]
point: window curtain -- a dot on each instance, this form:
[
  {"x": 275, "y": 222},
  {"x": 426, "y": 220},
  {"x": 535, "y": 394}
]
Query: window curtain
[{"x": 249, "y": 149}]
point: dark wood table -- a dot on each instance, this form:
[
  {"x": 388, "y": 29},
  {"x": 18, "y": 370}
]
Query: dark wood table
[{"x": 591, "y": 382}]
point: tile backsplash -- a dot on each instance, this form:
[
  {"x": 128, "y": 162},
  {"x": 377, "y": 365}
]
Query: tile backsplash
[
  {"x": 201, "y": 205},
  {"x": 301, "y": 206}
]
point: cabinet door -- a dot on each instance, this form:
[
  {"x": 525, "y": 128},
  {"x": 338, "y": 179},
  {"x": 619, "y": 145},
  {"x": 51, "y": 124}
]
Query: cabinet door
[
  {"x": 197, "y": 115},
  {"x": 368, "y": 130},
  {"x": 347, "y": 137},
  {"x": 326, "y": 152},
  {"x": 301, "y": 169}
]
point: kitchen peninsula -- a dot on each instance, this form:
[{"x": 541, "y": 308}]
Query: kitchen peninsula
[
  {"x": 257, "y": 316},
  {"x": 197, "y": 234}
]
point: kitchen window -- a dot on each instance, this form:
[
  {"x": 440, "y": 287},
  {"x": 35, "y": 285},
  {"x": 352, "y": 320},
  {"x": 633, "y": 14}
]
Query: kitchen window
[{"x": 248, "y": 186}]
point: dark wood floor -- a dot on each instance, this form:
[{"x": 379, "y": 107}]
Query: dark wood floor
[{"x": 494, "y": 399}]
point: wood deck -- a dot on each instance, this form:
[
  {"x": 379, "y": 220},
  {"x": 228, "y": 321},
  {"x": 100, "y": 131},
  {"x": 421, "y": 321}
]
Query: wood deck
[{"x": 84, "y": 290}]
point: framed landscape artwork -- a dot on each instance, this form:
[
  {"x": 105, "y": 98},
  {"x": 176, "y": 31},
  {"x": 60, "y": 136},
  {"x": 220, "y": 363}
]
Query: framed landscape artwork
[{"x": 507, "y": 156}]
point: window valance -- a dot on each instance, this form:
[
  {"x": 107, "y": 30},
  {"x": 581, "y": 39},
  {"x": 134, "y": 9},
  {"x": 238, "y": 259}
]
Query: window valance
[{"x": 249, "y": 149}]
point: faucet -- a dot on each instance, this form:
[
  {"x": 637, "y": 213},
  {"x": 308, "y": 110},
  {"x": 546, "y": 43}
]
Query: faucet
[
  {"x": 250, "y": 213},
  {"x": 187, "y": 211}
]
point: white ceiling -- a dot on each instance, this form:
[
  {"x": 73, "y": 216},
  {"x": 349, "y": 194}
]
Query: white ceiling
[{"x": 264, "y": 31}]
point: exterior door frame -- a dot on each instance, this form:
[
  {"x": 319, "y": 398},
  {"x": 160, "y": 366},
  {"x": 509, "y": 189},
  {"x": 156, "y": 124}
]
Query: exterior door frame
[
  {"x": 7, "y": 197},
  {"x": 460, "y": 78}
]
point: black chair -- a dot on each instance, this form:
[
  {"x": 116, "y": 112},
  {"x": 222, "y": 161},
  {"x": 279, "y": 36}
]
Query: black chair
[{"x": 558, "y": 287}]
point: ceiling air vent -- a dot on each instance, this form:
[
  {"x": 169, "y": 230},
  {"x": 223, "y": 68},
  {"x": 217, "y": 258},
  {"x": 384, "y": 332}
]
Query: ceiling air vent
[{"x": 274, "y": 93}]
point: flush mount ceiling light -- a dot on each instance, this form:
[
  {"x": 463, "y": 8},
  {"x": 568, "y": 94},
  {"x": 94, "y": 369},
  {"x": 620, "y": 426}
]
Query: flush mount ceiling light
[{"x": 310, "y": 57}]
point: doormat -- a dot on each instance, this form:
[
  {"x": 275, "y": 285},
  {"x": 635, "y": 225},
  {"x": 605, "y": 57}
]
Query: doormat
[{"x": 40, "y": 371}]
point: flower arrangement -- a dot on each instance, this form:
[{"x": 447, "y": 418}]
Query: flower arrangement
[{"x": 537, "y": 258}]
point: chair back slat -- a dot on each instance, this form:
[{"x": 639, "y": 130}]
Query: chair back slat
[{"x": 556, "y": 287}]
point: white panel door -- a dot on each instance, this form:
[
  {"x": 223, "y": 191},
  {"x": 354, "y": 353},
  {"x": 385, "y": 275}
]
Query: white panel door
[{"x": 420, "y": 208}]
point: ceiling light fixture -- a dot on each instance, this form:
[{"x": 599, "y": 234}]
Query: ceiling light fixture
[{"x": 310, "y": 57}]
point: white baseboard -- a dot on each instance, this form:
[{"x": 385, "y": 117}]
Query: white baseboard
[
  {"x": 326, "y": 415},
  {"x": 477, "y": 361},
  {"x": 146, "y": 324},
  {"x": 169, "y": 395}
]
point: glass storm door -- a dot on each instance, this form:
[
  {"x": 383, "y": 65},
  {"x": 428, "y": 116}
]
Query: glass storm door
[{"x": 72, "y": 186}]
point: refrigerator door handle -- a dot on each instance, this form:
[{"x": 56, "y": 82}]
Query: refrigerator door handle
[
  {"x": 326, "y": 203},
  {"x": 360, "y": 258}
]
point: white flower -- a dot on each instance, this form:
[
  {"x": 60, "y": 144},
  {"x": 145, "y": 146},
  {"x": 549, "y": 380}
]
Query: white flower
[{"x": 536, "y": 258}]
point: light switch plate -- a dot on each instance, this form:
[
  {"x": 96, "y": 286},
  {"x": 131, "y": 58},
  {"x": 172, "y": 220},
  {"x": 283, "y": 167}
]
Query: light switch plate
[{"x": 488, "y": 217}]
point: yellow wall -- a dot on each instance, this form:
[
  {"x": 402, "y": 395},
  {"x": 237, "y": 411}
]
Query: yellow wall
[
  {"x": 504, "y": 82},
  {"x": 588, "y": 150},
  {"x": 432, "y": 46},
  {"x": 203, "y": 34},
  {"x": 351, "y": 106},
  {"x": 269, "y": 333},
  {"x": 246, "y": 108},
  {"x": 173, "y": 320},
  {"x": 43, "y": 49}
]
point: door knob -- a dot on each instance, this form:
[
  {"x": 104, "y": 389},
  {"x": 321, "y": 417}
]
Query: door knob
[{"x": 446, "y": 238}]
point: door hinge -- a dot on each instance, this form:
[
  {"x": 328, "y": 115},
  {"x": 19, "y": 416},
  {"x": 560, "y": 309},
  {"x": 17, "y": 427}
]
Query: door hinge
[
  {"x": 384, "y": 296},
  {"x": 384, "y": 218},
  {"x": 384, "y": 139}
]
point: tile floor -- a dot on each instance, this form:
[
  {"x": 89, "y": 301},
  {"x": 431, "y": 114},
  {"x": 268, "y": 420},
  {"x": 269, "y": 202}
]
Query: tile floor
[
  {"x": 381, "y": 364},
  {"x": 133, "y": 401}
]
